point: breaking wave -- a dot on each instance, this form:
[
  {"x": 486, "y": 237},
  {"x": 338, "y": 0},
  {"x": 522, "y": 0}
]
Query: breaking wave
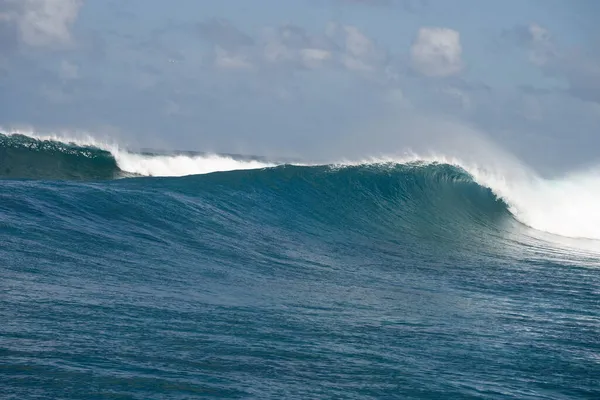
[{"x": 566, "y": 206}]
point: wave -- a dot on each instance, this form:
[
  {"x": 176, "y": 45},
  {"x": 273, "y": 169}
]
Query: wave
[
  {"x": 51, "y": 157},
  {"x": 565, "y": 206}
]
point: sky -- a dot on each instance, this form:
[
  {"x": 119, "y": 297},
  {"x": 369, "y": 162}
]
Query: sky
[{"x": 309, "y": 78}]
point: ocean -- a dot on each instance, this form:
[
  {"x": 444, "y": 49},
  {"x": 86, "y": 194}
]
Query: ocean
[{"x": 131, "y": 275}]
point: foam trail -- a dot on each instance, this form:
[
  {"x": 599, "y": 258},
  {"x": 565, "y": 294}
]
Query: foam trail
[{"x": 180, "y": 165}]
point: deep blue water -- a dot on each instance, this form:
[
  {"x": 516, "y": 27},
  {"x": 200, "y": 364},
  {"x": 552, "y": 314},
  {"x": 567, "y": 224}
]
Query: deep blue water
[{"x": 404, "y": 281}]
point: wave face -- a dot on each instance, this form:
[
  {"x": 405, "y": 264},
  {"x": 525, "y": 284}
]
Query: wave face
[{"x": 414, "y": 280}]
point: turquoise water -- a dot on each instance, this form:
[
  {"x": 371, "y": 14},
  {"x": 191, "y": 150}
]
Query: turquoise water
[{"x": 398, "y": 281}]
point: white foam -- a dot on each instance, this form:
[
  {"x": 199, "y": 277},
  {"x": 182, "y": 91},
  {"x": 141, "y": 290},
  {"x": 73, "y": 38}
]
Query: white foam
[
  {"x": 567, "y": 205},
  {"x": 180, "y": 165}
]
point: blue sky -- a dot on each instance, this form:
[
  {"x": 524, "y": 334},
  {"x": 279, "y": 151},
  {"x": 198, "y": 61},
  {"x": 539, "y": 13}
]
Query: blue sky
[{"x": 307, "y": 78}]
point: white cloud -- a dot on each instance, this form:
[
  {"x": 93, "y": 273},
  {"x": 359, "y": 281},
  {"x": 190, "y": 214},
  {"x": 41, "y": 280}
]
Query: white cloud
[
  {"x": 41, "y": 23},
  {"x": 292, "y": 46},
  {"x": 275, "y": 52},
  {"x": 357, "y": 44},
  {"x": 358, "y": 52},
  {"x": 343, "y": 45},
  {"x": 579, "y": 69},
  {"x": 314, "y": 58},
  {"x": 437, "y": 52},
  {"x": 230, "y": 60}
]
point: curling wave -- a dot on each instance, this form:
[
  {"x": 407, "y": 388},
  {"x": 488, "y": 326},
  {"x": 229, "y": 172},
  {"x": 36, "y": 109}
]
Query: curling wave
[{"x": 564, "y": 206}]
